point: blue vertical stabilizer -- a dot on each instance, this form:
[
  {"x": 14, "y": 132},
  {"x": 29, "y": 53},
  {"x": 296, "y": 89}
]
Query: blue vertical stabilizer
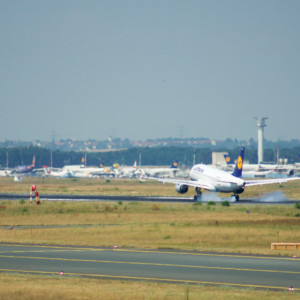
[{"x": 239, "y": 164}]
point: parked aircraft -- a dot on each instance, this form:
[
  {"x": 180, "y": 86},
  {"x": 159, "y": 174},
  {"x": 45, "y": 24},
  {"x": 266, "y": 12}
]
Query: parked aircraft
[
  {"x": 80, "y": 171},
  {"x": 159, "y": 172},
  {"x": 5, "y": 172},
  {"x": 91, "y": 172},
  {"x": 260, "y": 173},
  {"x": 58, "y": 172},
  {"x": 76, "y": 171},
  {"x": 212, "y": 179},
  {"x": 126, "y": 172},
  {"x": 25, "y": 169},
  {"x": 266, "y": 170}
]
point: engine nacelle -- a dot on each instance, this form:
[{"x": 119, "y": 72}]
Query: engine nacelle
[{"x": 181, "y": 188}]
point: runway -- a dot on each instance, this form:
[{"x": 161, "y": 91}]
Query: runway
[
  {"x": 261, "y": 272},
  {"x": 88, "y": 198}
]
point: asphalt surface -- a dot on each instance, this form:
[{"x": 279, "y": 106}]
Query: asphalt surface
[
  {"x": 264, "y": 272},
  {"x": 274, "y": 198}
]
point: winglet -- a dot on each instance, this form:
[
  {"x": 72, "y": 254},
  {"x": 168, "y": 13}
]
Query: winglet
[{"x": 239, "y": 164}]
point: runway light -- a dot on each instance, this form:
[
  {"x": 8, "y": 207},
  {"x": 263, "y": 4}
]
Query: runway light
[
  {"x": 115, "y": 246},
  {"x": 61, "y": 273},
  {"x": 291, "y": 289},
  {"x": 294, "y": 256}
]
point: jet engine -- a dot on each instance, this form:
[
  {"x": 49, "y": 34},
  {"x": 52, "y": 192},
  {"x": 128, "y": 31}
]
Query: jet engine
[{"x": 181, "y": 188}]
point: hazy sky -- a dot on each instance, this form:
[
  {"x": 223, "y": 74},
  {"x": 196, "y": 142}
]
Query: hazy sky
[{"x": 142, "y": 69}]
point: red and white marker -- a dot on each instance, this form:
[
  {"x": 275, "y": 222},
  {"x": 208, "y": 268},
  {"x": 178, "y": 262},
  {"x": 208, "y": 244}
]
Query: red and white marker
[
  {"x": 291, "y": 289},
  {"x": 61, "y": 273}
]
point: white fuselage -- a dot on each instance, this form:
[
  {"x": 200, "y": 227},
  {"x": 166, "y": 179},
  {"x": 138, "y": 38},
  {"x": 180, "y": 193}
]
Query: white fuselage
[
  {"x": 217, "y": 180},
  {"x": 81, "y": 171},
  {"x": 157, "y": 172}
]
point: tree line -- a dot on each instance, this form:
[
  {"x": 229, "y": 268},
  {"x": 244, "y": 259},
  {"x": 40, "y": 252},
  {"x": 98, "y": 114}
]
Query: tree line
[{"x": 156, "y": 156}]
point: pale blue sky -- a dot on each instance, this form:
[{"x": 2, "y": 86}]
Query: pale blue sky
[{"x": 149, "y": 69}]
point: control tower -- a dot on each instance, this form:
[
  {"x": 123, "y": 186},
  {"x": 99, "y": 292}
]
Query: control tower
[{"x": 260, "y": 123}]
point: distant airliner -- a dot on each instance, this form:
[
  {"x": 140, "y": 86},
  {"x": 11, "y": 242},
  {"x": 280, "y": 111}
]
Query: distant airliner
[
  {"x": 212, "y": 179},
  {"x": 25, "y": 169},
  {"x": 159, "y": 172}
]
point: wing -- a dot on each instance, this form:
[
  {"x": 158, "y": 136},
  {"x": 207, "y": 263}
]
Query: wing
[
  {"x": 269, "y": 181},
  {"x": 202, "y": 185}
]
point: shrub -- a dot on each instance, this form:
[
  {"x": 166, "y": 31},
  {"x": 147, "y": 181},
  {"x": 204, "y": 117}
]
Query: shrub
[
  {"x": 297, "y": 205},
  {"x": 120, "y": 202},
  {"x": 225, "y": 203},
  {"x": 22, "y": 201},
  {"x": 211, "y": 203}
]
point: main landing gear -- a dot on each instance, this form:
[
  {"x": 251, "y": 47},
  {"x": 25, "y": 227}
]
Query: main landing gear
[
  {"x": 198, "y": 197},
  {"x": 235, "y": 198}
]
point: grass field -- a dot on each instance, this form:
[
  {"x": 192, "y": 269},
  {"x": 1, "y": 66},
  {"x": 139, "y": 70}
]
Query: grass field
[
  {"x": 241, "y": 229},
  {"x": 192, "y": 226},
  {"x": 31, "y": 287}
]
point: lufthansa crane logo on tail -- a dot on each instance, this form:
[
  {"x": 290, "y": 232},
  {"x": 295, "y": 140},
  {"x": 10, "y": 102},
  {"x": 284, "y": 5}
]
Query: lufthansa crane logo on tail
[
  {"x": 240, "y": 163},
  {"x": 227, "y": 159}
]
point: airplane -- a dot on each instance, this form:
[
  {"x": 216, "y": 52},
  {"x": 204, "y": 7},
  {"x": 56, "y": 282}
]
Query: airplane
[
  {"x": 58, "y": 172},
  {"x": 5, "y": 172},
  {"x": 159, "y": 172},
  {"x": 265, "y": 170},
  {"x": 76, "y": 171},
  {"x": 126, "y": 172},
  {"x": 25, "y": 169},
  {"x": 215, "y": 180},
  {"x": 258, "y": 174},
  {"x": 81, "y": 171}
]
